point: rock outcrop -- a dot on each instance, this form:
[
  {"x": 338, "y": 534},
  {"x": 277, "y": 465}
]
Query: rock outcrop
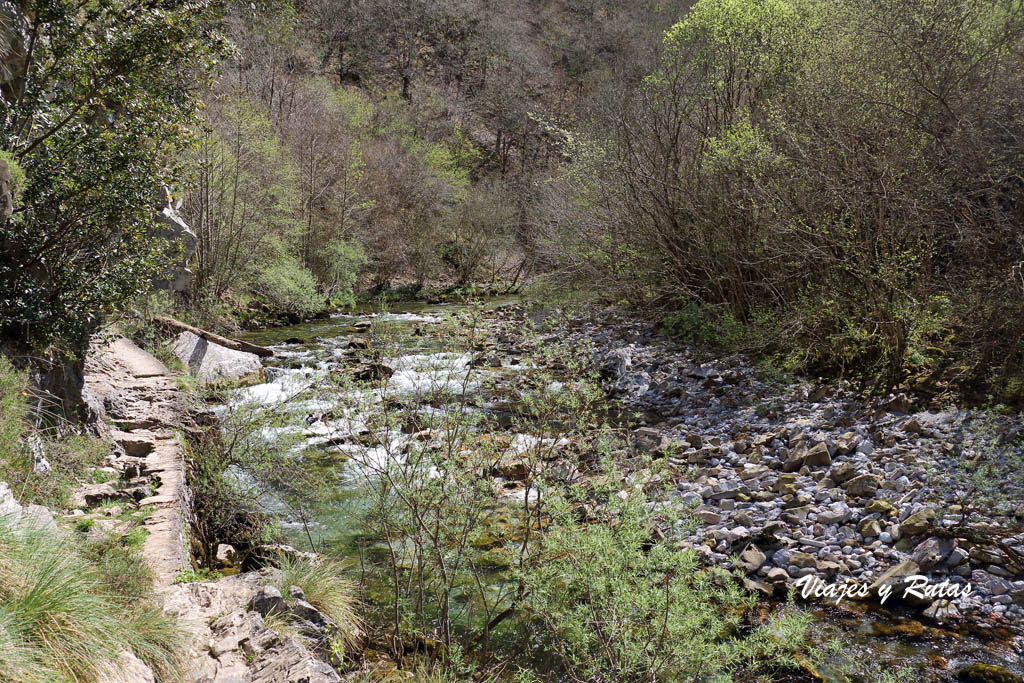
[
  {"x": 234, "y": 643},
  {"x": 23, "y": 516},
  {"x": 177, "y": 277}
]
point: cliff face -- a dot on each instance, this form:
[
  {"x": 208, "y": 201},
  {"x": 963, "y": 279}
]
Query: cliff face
[{"x": 13, "y": 55}]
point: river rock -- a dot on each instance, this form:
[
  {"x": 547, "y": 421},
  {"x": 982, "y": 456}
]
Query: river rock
[
  {"x": 862, "y": 486},
  {"x": 372, "y": 372},
  {"x": 751, "y": 559},
  {"x": 918, "y": 523},
  {"x": 818, "y": 456},
  {"x": 882, "y": 507},
  {"x": 841, "y": 472},
  {"x": 987, "y": 673},
  {"x": 931, "y": 552},
  {"x": 895, "y": 576},
  {"x": 210, "y": 362},
  {"x": 836, "y": 513},
  {"x": 869, "y": 528}
]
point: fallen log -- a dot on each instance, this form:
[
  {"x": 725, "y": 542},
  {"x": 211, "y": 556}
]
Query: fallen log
[{"x": 215, "y": 338}]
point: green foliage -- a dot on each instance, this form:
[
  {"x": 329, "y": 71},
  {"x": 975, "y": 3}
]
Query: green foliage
[
  {"x": 288, "y": 287},
  {"x": 344, "y": 260},
  {"x": 98, "y": 135},
  {"x": 235, "y": 471},
  {"x": 190, "y": 575},
  {"x": 67, "y": 612},
  {"x": 705, "y": 326},
  {"x": 619, "y": 605},
  {"x": 803, "y": 167},
  {"x": 18, "y": 179}
]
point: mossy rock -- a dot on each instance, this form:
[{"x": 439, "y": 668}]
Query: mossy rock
[{"x": 987, "y": 673}]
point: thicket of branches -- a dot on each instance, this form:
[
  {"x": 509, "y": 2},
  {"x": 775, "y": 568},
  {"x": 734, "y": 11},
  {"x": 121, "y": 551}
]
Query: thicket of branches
[{"x": 834, "y": 182}]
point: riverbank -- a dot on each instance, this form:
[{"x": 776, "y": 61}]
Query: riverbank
[
  {"x": 794, "y": 478},
  {"x": 788, "y": 478}
]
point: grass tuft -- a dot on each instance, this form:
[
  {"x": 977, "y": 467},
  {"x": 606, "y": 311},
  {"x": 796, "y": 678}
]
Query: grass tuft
[
  {"x": 329, "y": 590},
  {"x": 67, "y": 612}
]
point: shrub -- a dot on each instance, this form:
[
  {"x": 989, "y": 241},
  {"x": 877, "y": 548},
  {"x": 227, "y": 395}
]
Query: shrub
[
  {"x": 288, "y": 287},
  {"x": 616, "y": 604}
]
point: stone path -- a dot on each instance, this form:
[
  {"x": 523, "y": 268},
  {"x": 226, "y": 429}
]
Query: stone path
[
  {"x": 134, "y": 391},
  {"x": 139, "y": 395}
]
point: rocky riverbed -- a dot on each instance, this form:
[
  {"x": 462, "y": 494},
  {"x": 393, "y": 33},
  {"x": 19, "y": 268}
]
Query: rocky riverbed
[
  {"x": 789, "y": 479},
  {"x": 795, "y": 479}
]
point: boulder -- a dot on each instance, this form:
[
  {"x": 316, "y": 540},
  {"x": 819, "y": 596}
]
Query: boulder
[
  {"x": 177, "y": 277},
  {"x": 269, "y": 601},
  {"x": 931, "y": 552},
  {"x": 94, "y": 494},
  {"x": 8, "y": 505},
  {"x": 869, "y": 528},
  {"x": 210, "y": 362},
  {"x": 841, "y": 472},
  {"x": 987, "y": 673},
  {"x": 289, "y": 660},
  {"x": 896, "y": 577},
  {"x": 751, "y": 559},
  {"x": 648, "y": 440},
  {"x": 372, "y": 372},
  {"x": 227, "y": 556},
  {"x": 128, "y": 669},
  {"x": 38, "y": 517},
  {"x": 818, "y": 456}
]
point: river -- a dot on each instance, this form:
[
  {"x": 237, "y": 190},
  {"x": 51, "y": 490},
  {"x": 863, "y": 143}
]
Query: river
[{"x": 424, "y": 360}]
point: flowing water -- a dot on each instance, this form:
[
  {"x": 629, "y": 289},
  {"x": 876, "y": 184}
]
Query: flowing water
[{"x": 426, "y": 362}]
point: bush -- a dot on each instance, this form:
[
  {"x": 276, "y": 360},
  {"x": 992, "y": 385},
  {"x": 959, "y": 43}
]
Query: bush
[
  {"x": 705, "y": 326},
  {"x": 288, "y": 287},
  {"x": 616, "y": 604},
  {"x": 67, "y": 613}
]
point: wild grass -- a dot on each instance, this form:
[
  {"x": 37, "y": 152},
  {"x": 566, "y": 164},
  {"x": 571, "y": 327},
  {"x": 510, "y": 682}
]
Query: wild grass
[
  {"x": 72, "y": 457},
  {"x": 328, "y": 589},
  {"x": 68, "y": 610}
]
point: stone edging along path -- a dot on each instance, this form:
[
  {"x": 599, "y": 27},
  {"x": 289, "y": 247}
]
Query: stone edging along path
[{"x": 135, "y": 391}]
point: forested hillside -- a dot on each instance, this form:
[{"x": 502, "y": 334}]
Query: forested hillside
[{"x": 832, "y": 184}]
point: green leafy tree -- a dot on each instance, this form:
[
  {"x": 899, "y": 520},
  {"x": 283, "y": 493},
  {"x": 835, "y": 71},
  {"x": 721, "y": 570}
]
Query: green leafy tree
[{"x": 97, "y": 121}]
